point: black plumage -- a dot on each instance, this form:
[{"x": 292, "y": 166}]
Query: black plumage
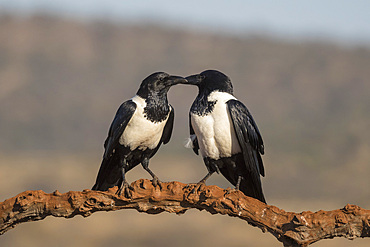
[
  {"x": 224, "y": 131},
  {"x": 139, "y": 127}
]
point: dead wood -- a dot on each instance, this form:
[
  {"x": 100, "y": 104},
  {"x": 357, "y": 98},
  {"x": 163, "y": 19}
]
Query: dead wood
[{"x": 292, "y": 229}]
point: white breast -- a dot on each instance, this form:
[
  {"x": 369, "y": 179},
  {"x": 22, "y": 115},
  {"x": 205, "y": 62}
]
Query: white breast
[
  {"x": 215, "y": 131},
  {"x": 140, "y": 132}
]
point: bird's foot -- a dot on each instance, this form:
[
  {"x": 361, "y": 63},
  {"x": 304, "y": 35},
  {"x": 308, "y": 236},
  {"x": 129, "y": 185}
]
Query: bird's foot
[
  {"x": 156, "y": 182},
  {"x": 230, "y": 190},
  {"x": 197, "y": 187},
  {"x": 125, "y": 187}
]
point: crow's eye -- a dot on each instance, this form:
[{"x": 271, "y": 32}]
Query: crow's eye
[{"x": 162, "y": 78}]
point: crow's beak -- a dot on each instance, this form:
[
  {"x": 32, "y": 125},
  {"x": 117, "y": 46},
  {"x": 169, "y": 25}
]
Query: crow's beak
[
  {"x": 194, "y": 79},
  {"x": 174, "y": 80}
]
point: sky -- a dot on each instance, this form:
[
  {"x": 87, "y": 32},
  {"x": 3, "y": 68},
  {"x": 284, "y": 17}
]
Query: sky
[{"x": 340, "y": 20}]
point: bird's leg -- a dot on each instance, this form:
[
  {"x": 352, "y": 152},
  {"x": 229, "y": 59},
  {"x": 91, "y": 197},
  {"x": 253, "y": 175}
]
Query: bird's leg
[
  {"x": 228, "y": 191},
  {"x": 238, "y": 183},
  {"x": 200, "y": 185},
  {"x": 203, "y": 181},
  {"x": 155, "y": 181},
  {"x": 124, "y": 186}
]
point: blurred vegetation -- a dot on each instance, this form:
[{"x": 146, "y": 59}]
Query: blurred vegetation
[{"x": 61, "y": 82}]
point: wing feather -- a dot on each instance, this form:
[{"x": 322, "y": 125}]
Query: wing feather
[
  {"x": 251, "y": 144},
  {"x": 109, "y": 172},
  {"x": 120, "y": 121},
  {"x": 167, "y": 131},
  {"x": 249, "y": 137}
]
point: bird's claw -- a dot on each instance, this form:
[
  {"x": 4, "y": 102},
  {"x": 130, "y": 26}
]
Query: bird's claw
[
  {"x": 125, "y": 187},
  {"x": 230, "y": 190},
  {"x": 188, "y": 186},
  {"x": 198, "y": 187},
  {"x": 156, "y": 182}
]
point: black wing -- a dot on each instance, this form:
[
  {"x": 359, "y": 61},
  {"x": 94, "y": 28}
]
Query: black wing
[
  {"x": 120, "y": 121},
  {"x": 109, "y": 173},
  {"x": 251, "y": 143},
  {"x": 193, "y": 137},
  {"x": 167, "y": 131},
  {"x": 248, "y": 135}
]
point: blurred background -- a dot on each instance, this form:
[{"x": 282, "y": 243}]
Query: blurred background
[{"x": 302, "y": 68}]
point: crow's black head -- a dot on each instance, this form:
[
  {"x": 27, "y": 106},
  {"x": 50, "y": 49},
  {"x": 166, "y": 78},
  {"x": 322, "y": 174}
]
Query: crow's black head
[
  {"x": 158, "y": 83},
  {"x": 211, "y": 80}
]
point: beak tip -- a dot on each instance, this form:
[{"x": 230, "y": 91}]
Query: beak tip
[
  {"x": 193, "y": 80},
  {"x": 178, "y": 80}
]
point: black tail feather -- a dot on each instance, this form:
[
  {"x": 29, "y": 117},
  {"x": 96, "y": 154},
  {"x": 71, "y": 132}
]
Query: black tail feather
[
  {"x": 109, "y": 175},
  {"x": 231, "y": 168},
  {"x": 250, "y": 189}
]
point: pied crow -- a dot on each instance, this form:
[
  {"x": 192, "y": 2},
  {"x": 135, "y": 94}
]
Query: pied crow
[
  {"x": 139, "y": 128},
  {"x": 224, "y": 131}
]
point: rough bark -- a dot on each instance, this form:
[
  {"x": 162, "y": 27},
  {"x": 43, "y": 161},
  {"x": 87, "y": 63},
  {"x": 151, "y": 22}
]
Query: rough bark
[{"x": 292, "y": 229}]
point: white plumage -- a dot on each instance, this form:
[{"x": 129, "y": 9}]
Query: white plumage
[
  {"x": 215, "y": 131},
  {"x": 140, "y": 132}
]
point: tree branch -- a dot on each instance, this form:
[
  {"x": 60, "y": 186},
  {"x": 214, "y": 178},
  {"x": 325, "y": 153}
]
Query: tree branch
[{"x": 293, "y": 229}]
